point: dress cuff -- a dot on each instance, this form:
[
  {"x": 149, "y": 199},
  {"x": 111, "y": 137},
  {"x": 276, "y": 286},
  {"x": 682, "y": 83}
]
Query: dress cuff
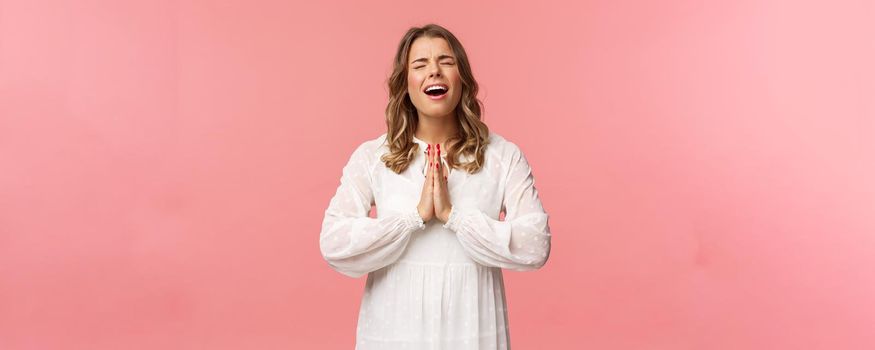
[
  {"x": 412, "y": 219},
  {"x": 454, "y": 219}
]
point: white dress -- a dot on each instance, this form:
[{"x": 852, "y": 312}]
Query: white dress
[{"x": 434, "y": 285}]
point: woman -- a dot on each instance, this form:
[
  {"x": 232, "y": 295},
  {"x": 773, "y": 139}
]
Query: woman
[{"x": 439, "y": 180}]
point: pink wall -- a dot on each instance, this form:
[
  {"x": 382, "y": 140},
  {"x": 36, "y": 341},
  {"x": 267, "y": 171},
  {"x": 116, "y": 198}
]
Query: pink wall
[{"x": 708, "y": 168}]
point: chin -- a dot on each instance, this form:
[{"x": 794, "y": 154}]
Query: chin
[{"x": 439, "y": 113}]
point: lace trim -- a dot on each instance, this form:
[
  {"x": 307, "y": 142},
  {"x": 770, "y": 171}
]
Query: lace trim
[{"x": 413, "y": 220}]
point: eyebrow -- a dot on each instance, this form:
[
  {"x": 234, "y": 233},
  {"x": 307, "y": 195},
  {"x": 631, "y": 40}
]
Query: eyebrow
[{"x": 426, "y": 59}]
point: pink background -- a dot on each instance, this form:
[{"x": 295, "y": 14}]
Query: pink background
[{"x": 708, "y": 168}]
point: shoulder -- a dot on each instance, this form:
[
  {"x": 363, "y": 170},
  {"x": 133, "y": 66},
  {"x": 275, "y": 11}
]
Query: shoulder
[
  {"x": 502, "y": 147},
  {"x": 509, "y": 155},
  {"x": 369, "y": 149},
  {"x": 372, "y": 145}
]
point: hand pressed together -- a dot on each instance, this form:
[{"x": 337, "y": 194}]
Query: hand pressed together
[{"x": 435, "y": 198}]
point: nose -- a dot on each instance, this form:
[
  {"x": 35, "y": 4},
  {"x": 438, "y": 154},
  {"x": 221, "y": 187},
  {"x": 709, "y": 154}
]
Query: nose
[{"x": 435, "y": 71}]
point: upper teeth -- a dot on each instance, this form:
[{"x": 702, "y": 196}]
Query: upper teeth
[{"x": 434, "y": 87}]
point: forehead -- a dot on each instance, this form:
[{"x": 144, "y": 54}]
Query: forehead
[{"x": 429, "y": 47}]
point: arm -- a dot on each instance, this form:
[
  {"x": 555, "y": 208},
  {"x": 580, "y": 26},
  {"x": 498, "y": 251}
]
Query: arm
[
  {"x": 353, "y": 243},
  {"x": 522, "y": 241}
]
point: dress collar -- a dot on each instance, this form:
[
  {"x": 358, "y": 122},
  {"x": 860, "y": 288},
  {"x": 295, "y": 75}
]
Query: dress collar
[{"x": 422, "y": 148}]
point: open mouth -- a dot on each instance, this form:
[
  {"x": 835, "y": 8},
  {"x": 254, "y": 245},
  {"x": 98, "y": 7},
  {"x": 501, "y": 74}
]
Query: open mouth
[{"x": 436, "y": 90}]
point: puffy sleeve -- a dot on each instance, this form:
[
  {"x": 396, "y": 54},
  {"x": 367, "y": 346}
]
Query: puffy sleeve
[
  {"x": 522, "y": 241},
  {"x": 352, "y": 242}
]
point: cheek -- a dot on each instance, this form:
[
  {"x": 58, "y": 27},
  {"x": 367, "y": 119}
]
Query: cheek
[
  {"x": 412, "y": 84},
  {"x": 457, "y": 81}
]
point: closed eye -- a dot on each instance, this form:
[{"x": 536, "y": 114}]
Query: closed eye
[{"x": 444, "y": 63}]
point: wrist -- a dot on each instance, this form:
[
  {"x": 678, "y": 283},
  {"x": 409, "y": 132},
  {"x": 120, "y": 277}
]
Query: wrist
[
  {"x": 424, "y": 214},
  {"x": 414, "y": 220},
  {"x": 445, "y": 215}
]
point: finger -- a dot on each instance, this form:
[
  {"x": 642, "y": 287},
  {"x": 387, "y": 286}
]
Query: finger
[
  {"x": 443, "y": 170},
  {"x": 435, "y": 162},
  {"x": 432, "y": 167},
  {"x": 436, "y": 170},
  {"x": 429, "y": 178},
  {"x": 440, "y": 171},
  {"x": 440, "y": 176},
  {"x": 431, "y": 159},
  {"x": 427, "y": 159},
  {"x": 437, "y": 158}
]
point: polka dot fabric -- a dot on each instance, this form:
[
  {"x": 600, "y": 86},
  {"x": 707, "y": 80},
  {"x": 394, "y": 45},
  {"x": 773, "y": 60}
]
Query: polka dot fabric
[{"x": 435, "y": 285}]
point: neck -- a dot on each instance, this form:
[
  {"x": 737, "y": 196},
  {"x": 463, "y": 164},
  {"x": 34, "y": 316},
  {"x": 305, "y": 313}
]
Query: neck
[{"x": 434, "y": 130}]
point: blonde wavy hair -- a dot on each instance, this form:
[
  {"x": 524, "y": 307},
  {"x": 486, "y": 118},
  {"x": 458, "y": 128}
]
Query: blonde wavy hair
[{"x": 401, "y": 114}]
